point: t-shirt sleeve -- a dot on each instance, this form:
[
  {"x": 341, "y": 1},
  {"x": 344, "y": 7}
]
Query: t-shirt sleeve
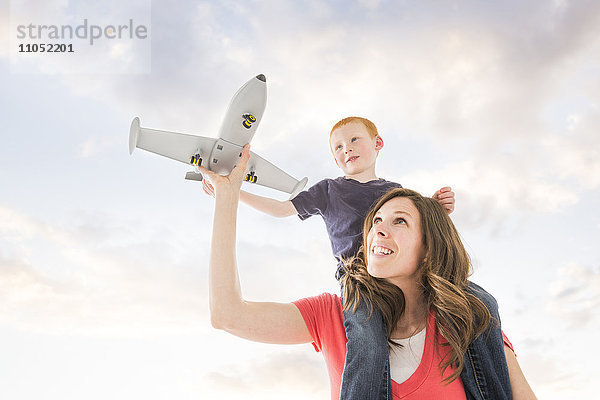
[
  {"x": 312, "y": 201},
  {"x": 508, "y": 343},
  {"x": 317, "y": 312}
]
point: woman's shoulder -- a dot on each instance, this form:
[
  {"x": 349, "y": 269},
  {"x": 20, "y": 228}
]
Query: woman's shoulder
[
  {"x": 486, "y": 298},
  {"x": 322, "y": 303},
  {"x": 324, "y": 319},
  {"x": 324, "y": 310}
]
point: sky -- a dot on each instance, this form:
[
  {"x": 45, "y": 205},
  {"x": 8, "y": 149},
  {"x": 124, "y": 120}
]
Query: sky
[{"x": 103, "y": 255}]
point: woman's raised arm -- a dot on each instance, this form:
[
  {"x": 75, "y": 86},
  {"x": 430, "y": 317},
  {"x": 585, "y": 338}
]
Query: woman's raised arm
[{"x": 259, "y": 321}]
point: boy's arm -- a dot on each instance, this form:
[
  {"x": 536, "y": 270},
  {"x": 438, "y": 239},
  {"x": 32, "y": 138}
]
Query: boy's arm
[
  {"x": 275, "y": 208},
  {"x": 445, "y": 196},
  {"x": 269, "y": 206}
]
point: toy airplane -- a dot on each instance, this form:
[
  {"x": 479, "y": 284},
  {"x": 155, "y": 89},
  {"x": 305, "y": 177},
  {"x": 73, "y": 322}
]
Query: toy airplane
[{"x": 222, "y": 154}]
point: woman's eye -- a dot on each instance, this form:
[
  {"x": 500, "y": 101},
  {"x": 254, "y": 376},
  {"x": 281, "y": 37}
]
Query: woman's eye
[
  {"x": 400, "y": 221},
  {"x": 354, "y": 139},
  {"x": 339, "y": 146},
  {"x": 376, "y": 220}
]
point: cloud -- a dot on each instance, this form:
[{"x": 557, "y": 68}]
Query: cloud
[
  {"x": 501, "y": 191},
  {"x": 575, "y": 150},
  {"x": 95, "y": 274},
  {"x": 95, "y": 145},
  {"x": 97, "y": 278},
  {"x": 549, "y": 377},
  {"x": 4, "y": 31},
  {"x": 575, "y": 293},
  {"x": 466, "y": 77},
  {"x": 291, "y": 374},
  {"x": 20, "y": 283}
]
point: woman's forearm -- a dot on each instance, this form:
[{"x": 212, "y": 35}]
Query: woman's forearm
[
  {"x": 225, "y": 295},
  {"x": 259, "y": 321}
]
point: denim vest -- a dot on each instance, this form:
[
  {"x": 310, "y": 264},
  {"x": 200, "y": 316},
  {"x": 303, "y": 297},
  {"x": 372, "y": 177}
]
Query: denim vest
[{"x": 485, "y": 372}]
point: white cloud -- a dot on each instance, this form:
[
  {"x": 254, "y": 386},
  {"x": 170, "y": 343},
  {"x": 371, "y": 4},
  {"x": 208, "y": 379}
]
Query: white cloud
[
  {"x": 370, "y": 4},
  {"x": 494, "y": 191},
  {"x": 549, "y": 377},
  {"x": 575, "y": 295},
  {"x": 97, "y": 145},
  {"x": 4, "y": 31},
  {"x": 575, "y": 152},
  {"x": 96, "y": 280},
  {"x": 293, "y": 374}
]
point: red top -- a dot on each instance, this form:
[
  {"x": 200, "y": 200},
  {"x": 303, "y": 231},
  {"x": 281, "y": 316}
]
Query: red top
[{"x": 324, "y": 319}]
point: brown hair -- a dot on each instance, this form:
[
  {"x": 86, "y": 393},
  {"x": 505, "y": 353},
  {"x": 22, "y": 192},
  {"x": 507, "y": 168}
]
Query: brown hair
[
  {"x": 371, "y": 128},
  {"x": 460, "y": 317}
]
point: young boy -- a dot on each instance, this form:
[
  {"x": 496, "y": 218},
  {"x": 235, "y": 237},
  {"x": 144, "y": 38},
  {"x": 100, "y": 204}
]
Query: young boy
[{"x": 343, "y": 203}]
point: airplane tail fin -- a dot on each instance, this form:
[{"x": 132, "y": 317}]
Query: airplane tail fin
[
  {"x": 193, "y": 176},
  {"x": 298, "y": 188}
]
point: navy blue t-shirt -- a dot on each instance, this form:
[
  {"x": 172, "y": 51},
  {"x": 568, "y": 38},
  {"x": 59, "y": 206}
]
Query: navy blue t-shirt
[{"x": 343, "y": 203}]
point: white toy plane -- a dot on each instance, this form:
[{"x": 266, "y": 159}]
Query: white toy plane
[{"x": 221, "y": 155}]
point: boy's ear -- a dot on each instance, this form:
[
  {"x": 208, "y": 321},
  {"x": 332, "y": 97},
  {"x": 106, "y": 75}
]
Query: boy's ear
[{"x": 378, "y": 143}]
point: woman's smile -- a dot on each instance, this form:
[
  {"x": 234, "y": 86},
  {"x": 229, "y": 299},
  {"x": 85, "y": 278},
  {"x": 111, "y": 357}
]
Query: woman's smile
[{"x": 378, "y": 249}]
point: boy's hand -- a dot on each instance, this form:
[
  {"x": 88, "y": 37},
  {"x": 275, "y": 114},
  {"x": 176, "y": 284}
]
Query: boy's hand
[
  {"x": 230, "y": 183},
  {"x": 445, "y": 196}
]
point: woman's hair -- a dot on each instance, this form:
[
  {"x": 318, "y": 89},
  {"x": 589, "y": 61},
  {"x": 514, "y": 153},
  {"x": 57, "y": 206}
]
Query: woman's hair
[
  {"x": 371, "y": 128},
  {"x": 459, "y": 316}
]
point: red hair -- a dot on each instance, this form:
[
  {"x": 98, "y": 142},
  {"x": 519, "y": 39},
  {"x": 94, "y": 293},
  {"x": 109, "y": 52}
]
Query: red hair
[{"x": 371, "y": 128}]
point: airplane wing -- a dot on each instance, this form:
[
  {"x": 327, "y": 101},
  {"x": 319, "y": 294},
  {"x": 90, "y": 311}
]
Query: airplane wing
[
  {"x": 182, "y": 147},
  {"x": 268, "y": 175},
  {"x": 177, "y": 146}
]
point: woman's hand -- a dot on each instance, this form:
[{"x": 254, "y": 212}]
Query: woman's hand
[{"x": 226, "y": 184}]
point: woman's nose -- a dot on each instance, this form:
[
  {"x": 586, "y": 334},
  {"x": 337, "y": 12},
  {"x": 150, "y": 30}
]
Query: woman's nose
[{"x": 381, "y": 231}]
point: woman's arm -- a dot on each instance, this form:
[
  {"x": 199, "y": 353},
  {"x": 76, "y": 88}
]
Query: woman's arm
[
  {"x": 518, "y": 384},
  {"x": 258, "y": 321}
]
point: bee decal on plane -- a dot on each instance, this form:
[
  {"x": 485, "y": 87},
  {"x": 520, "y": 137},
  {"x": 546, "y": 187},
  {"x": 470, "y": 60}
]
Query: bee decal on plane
[
  {"x": 249, "y": 119},
  {"x": 251, "y": 177},
  {"x": 196, "y": 160}
]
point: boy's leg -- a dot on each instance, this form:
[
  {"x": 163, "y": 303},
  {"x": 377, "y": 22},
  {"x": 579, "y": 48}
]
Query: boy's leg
[{"x": 366, "y": 371}]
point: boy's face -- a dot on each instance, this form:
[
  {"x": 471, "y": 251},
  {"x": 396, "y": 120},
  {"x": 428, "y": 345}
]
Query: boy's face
[{"x": 354, "y": 149}]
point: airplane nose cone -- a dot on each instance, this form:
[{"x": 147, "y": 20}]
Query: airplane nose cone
[{"x": 261, "y": 77}]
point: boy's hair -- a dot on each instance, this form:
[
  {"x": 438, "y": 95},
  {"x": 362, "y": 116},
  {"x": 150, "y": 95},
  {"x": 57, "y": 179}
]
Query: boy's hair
[{"x": 371, "y": 128}]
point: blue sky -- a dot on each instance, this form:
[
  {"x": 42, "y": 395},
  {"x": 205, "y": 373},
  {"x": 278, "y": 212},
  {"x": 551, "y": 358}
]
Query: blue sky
[{"x": 103, "y": 255}]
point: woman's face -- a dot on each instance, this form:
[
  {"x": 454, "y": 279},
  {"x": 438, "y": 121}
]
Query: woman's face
[{"x": 394, "y": 243}]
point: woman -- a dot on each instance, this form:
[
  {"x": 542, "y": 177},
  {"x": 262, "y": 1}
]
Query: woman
[{"x": 452, "y": 346}]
